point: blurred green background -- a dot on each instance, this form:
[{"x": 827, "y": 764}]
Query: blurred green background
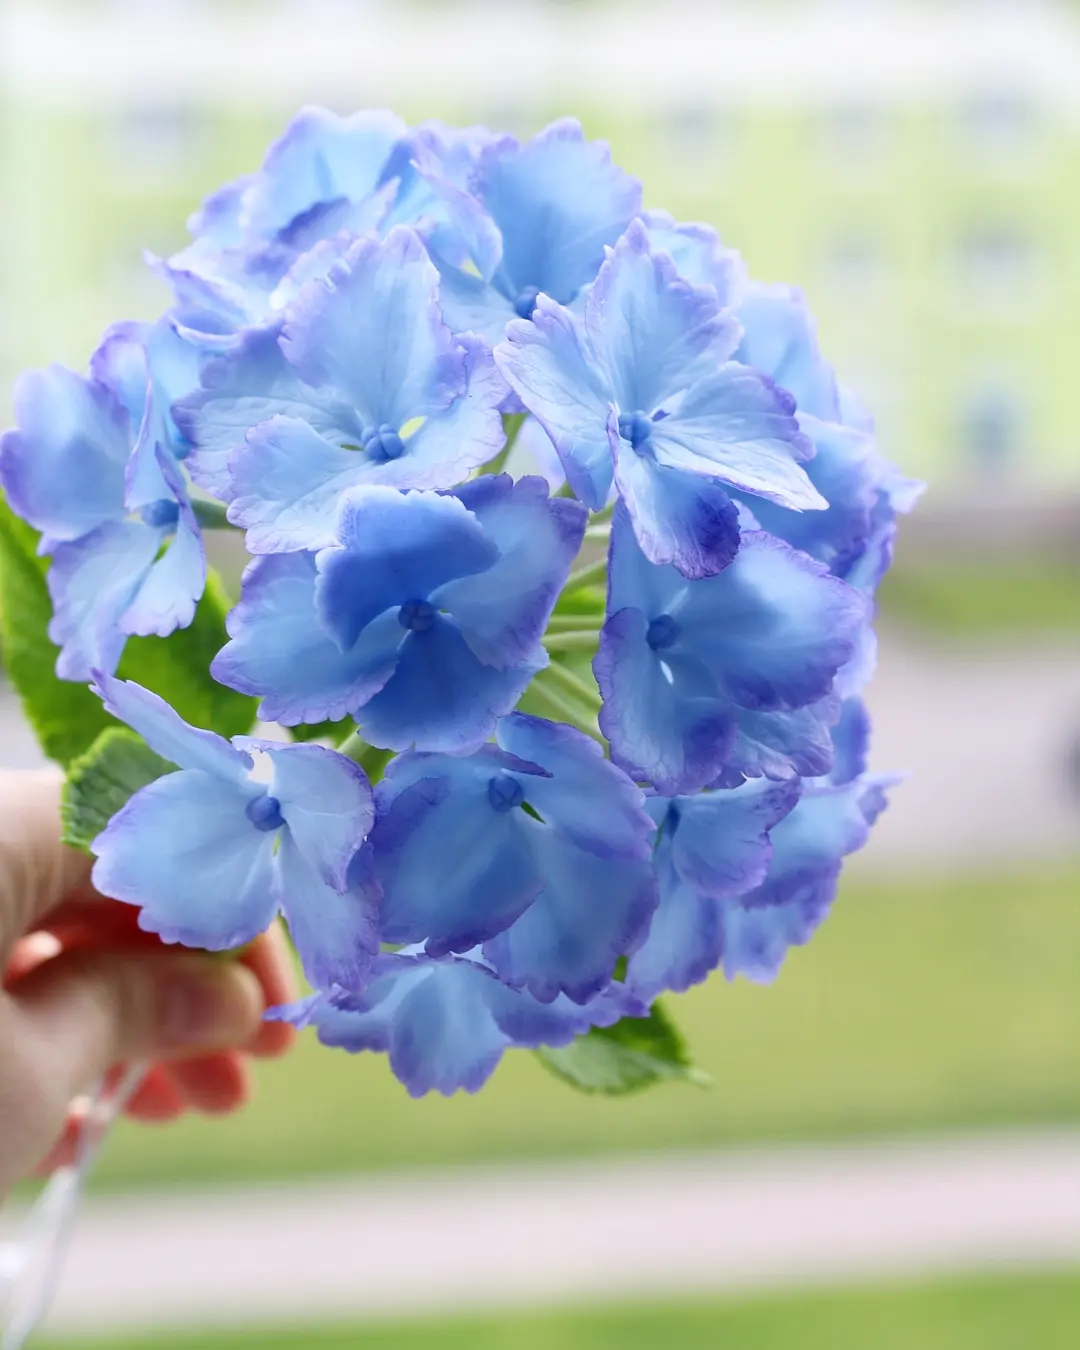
[{"x": 927, "y": 206}]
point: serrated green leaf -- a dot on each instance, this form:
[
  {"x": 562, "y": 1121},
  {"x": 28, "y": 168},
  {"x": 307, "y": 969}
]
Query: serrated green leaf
[
  {"x": 178, "y": 668},
  {"x": 66, "y": 717},
  {"x": 103, "y": 780},
  {"x": 633, "y": 1054}
]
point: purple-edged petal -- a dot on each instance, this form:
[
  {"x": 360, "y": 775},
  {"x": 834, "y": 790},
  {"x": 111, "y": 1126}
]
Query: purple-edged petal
[
  {"x": 62, "y": 467},
  {"x": 584, "y": 796},
  {"x": 394, "y": 547},
  {"x": 674, "y": 732},
  {"x": 92, "y": 582},
  {"x": 503, "y": 611},
  {"x": 472, "y": 305},
  {"x": 774, "y": 628},
  {"x": 590, "y": 912},
  {"x": 326, "y": 801},
  {"x": 550, "y": 365},
  {"x": 793, "y": 742},
  {"x": 167, "y": 597},
  {"x": 780, "y": 338},
  {"x": 280, "y": 652},
  {"x": 454, "y": 870},
  {"x": 184, "y": 850},
  {"x": 654, "y": 333},
  {"x": 699, "y": 256},
  {"x": 374, "y": 331},
  {"x": 335, "y": 930},
  {"x": 683, "y": 943},
  {"x": 681, "y": 518},
  {"x": 851, "y": 739},
  {"x": 720, "y": 840},
  {"x": 736, "y": 425},
  {"x": 441, "y": 697},
  {"x": 166, "y": 732}
]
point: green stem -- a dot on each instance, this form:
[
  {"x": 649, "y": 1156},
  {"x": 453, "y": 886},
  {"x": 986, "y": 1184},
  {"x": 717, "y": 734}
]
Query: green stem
[
  {"x": 560, "y": 709},
  {"x": 576, "y": 623},
  {"x": 211, "y": 515},
  {"x": 586, "y": 694},
  {"x": 585, "y": 576},
  {"x": 597, "y": 534},
  {"x": 575, "y": 640}
]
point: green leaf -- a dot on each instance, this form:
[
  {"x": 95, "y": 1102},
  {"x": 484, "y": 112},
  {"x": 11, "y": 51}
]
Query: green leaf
[
  {"x": 103, "y": 779},
  {"x": 633, "y": 1054},
  {"x": 335, "y": 732},
  {"x": 178, "y": 668},
  {"x": 66, "y": 717}
]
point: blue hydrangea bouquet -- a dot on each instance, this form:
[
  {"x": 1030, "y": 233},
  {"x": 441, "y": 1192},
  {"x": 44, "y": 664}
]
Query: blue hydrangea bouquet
[{"x": 563, "y": 548}]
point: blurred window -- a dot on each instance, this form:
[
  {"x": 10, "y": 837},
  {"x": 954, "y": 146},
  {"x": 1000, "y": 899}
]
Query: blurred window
[
  {"x": 690, "y": 131},
  {"x": 997, "y": 263},
  {"x": 155, "y": 140},
  {"x": 853, "y": 135},
  {"x": 854, "y": 264},
  {"x": 992, "y": 427},
  {"x": 999, "y": 125}
]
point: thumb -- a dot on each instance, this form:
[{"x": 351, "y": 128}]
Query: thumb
[{"x": 74, "y": 1017}]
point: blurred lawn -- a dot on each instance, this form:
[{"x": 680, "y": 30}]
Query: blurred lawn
[
  {"x": 920, "y": 1004},
  {"x": 976, "y": 597},
  {"x": 1003, "y": 1314}
]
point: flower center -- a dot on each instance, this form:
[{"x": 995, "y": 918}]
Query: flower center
[
  {"x": 160, "y": 514},
  {"x": 417, "y": 615},
  {"x": 635, "y": 427},
  {"x": 383, "y": 443},
  {"x": 663, "y": 632},
  {"x": 504, "y": 792},
  {"x": 525, "y": 302},
  {"x": 265, "y": 813}
]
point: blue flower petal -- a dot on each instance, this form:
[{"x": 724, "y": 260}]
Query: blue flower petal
[
  {"x": 720, "y": 840},
  {"x": 454, "y": 869},
  {"x": 583, "y": 795},
  {"x": 472, "y": 305},
  {"x": 590, "y": 912},
  {"x": 166, "y": 732},
  {"x": 782, "y": 744},
  {"x": 281, "y": 653},
  {"x": 550, "y": 365},
  {"x": 184, "y": 850},
  {"x": 683, "y": 944},
  {"x": 62, "y": 467},
  {"x": 780, "y": 339},
  {"x": 168, "y": 595},
  {"x": 391, "y": 548},
  {"x": 736, "y": 425},
  {"x": 92, "y": 583},
  {"x": 557, "y": 200},
  {"x": 441, "y": 697},
  {"x": 699, "y": 256},
  {"x": 335, "y": 929},
  {"x": 655, "y": 334},
  {"x": 503, "y": 611},
  {"x": 373, "y": 331},
  {"x": 851, "y": 738}
]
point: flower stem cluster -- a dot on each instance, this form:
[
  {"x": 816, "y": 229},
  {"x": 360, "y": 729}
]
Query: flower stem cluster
[{"x": 563, "y": 543}]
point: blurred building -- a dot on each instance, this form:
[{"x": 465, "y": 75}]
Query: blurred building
[{"x": 914, "y": 167}]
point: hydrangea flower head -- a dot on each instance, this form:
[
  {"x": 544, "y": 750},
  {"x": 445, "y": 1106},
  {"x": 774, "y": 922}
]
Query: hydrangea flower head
[{"x": 545, "y": 747}]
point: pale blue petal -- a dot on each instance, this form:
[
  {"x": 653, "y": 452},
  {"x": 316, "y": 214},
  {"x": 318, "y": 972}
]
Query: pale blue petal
[
  {"x": 699, "y": 256},
  {"x": 720, "y": 840},
  {"x": 584, "y": 796},
  {"x": 454, "y": 870},
  {"x": 591, "y": 911},
  {"x": 851, "y": 739},
  {"x": 166, "y": 732},
  {"x": 551, "y": 367},
  {"x": 503, "y": 611},
  {"x": 782, "y": 744},
  {"x": 374, "y": 332},
  {"x": 780, "y": 339},
  {"x": 472, "y": 305},
  {"x": 683, "y": 943},
  {"x": 441, "y": 697},
  {"x": 167, "y": 598},
  {"x": 736, "y": 425},
  {"x": 119, "y": 363},
  {"x": 655, "y": 334},
  {"x": 335, "y": 929},
  {"x": 62, "y": 467},
  {"x": 280, "y": 652},
  {"x": 557, "y": 200},
  {"x": 393, "y": 547},
  {"x": 184, "y": 849}
]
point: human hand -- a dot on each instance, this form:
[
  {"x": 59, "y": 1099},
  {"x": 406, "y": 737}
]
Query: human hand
[{"x": 83, "y": 990}]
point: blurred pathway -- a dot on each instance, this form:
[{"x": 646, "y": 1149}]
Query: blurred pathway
[
  {"x": 985, "y": 736},
  {"x": 640, "y": 1228}
]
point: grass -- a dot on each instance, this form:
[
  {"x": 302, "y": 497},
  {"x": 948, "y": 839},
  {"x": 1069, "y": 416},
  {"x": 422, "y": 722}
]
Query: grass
[
  {"x": 975, "y": 598},
  {"x": 920, "y": 1004},
  {"x": 1001, "y": 1314}
]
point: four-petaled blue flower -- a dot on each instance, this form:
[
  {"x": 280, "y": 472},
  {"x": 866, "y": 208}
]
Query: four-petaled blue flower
[
  {"x": 212, "y": 853},
  {"x": 537, "y": 847},
  {"x": 94, "y": 464},
  {"x": 641, "y": 392},
  {"x": 446, "y": 1022},
  {"x": 422, "y": 620}
]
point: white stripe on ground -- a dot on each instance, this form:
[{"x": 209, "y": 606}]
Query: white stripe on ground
[{"x": 643, "y": 1227}]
